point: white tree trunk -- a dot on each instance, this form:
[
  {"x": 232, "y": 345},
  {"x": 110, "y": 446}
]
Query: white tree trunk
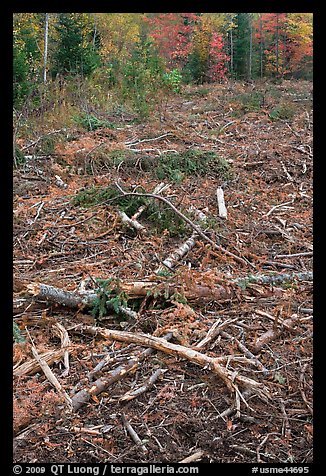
[{"x": 46, "y": 30}]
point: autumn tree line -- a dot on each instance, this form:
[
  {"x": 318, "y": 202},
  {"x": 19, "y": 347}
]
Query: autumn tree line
[{"x": 142, "y": 55}]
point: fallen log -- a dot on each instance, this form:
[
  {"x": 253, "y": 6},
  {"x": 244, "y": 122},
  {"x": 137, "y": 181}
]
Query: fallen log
[
  {"x": 134, "y": 289},
  {"x": 275, "y": 278},
  {"x": 71, "y": 299},
  {"x": 185, "y": 247},
  {"x": 141, "y": 289},
  {"x": 179, "y": 253}
]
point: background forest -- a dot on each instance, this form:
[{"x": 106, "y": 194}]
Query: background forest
[{"x": 65, "y": 62}]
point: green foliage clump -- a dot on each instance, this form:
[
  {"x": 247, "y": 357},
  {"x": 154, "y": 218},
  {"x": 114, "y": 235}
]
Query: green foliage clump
[
  {"x": 25, "y": 55},
  {"x": 288, "y": 285},
  {"x": 241, "y": 45},
  {"x": 18, "y": 338},
  {"x": 284, "y": 111},
  {"x": 21, "y": 85},
  {"x": 108, "y": 298},
  {"x": 91, "y": 122},
  {"x": 96, "y": 195},
  {"x": 116, "y": 157},
  {"x": 195, "y": 70},
  {"x": 46, "y": 146},
  {"x": 249, "y": 102},
  {"x": 159, "y": 216},
  {"x": 172, "y": 80},
  {"x": 163, "y": 218},
  {"x": 176, "y": 166},
  {"x": 164, "y": 273},
  {"x": 19, "y": 156},
  {"x": 199, "y": 91}
]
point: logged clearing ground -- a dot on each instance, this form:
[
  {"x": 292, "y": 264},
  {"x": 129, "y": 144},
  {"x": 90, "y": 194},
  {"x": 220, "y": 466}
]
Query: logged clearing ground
[{"x": 208, "y": 356}]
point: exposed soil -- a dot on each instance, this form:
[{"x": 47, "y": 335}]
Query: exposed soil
[{"x": 268, "y": 193}]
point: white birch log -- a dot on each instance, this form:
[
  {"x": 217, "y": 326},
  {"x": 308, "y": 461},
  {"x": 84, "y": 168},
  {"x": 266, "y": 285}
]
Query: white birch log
[
  {"x": 70, "y": 298},
  {"x": 221, "y": 204},
  {"x": 180, "y": 252},
  {"x": 185, "y": 247},
  {"x": 134, "y": 223},
  {"x": 158, "y": 189}
]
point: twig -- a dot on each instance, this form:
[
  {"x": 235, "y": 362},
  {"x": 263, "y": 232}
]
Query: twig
[
  {"x": 52, "y": 378},
  {"x": 247, "y": 451},
  {"x": 38, "y": 212},
  {"x": 261, "y": 445},
  {"x": 295, "y": 255},
  {"x": 194, "y": 457},
  {"x": 301, "y": 382},
  {"x": 133, "y": 434},
  {"x": 143, "y": 388},
  {"x": 225, "y": 126},
  {"x": 283, "y": 322},
  {"x": 278, "y": 206},
  {"x": 99, "y": 448},
  {"x": 214, "y": 331},
  {"x": 138, "y": 141},
  {"x": 286, "y": 429},
  {"x": 65, "y": 344},
  {"x": 246, "y": 352},
  {"x": 289, "y": 176},
  {"x": 277, "y": 264}
]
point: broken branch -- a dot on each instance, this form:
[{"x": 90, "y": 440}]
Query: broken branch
[{"x": 231, "y": 379}]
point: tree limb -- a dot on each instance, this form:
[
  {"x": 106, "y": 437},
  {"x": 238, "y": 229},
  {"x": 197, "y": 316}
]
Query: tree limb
[{"x": 231, "y": 379}]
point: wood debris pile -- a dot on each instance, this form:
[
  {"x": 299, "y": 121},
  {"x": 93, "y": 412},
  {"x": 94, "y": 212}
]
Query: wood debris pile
[{"x": 189, "y": 340}]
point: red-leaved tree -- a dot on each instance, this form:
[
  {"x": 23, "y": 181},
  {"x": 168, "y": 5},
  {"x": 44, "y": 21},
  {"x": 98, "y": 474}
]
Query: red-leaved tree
[
  {"x": 217, "y": 59},
  {"x": 172, "y": 34}
]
